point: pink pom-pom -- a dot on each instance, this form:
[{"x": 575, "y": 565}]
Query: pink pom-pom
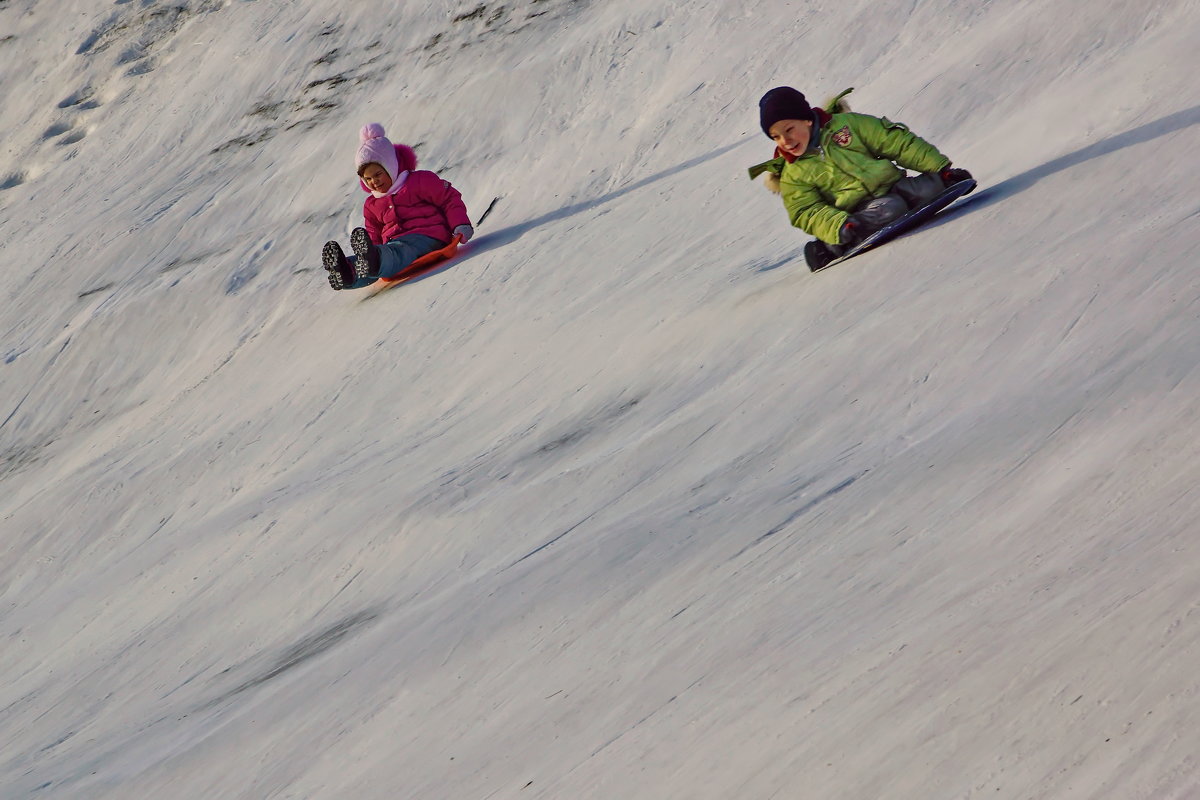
[{"x": 372, "y": 130}]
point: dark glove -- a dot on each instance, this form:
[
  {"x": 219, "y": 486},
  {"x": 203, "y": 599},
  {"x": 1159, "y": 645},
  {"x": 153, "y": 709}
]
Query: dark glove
[
  {"x": 952, "y": 175},
  {"x": 851, "y": 230}
]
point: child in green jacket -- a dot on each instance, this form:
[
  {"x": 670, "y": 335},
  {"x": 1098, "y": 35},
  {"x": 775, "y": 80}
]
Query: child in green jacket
[{"x": 842, "y": 175}]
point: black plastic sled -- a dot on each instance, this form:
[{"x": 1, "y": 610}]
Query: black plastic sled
[{"x": 918, "y": 216}]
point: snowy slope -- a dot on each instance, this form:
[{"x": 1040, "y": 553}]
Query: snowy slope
[{"x": 624, "y": 503}]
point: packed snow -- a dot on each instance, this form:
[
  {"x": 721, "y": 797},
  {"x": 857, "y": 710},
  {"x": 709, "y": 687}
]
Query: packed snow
[{"x": 623, "y": 502}]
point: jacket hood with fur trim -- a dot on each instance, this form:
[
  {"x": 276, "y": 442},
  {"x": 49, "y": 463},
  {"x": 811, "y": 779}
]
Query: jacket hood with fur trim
[{"x": 406, "y": 161}]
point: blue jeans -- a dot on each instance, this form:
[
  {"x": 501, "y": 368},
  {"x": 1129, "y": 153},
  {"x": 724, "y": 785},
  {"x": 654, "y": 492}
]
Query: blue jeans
[{"x": 398, "y": 254}]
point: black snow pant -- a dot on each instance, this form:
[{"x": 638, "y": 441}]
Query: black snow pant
[{"x": 905, "y": 195}]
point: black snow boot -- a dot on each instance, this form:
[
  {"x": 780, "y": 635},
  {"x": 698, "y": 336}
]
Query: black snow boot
[
  {"x": 366, "y": 255},
  {"x": 341, "y": 273},
  {"x": 817, "y": 255}
]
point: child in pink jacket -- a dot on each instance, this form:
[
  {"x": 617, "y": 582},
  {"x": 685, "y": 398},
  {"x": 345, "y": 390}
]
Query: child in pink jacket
[{"x": 409, "y": 213}]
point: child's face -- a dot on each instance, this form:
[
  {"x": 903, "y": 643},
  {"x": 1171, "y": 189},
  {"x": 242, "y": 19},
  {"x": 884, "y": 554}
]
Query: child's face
[
  {"x": 792, "y": 135},
  {"x": 376, "y": 178}
]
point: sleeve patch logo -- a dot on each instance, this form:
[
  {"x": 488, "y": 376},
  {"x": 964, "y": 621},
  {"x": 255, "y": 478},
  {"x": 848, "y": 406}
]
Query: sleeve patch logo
[{"x": 842, "y": 138}]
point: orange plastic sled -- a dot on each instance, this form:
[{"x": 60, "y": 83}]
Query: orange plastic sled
[{"x": 424, "y": 264}]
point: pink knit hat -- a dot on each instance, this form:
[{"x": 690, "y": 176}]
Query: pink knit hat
[{"x": 376, "y": 149}]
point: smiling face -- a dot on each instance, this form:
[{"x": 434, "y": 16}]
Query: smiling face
[
  {"x": 791, "y": 135},
  {"x": 375, "y": 177}
]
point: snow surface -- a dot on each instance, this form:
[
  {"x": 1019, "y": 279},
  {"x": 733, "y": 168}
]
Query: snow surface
[{"x": 625, "y": 503}]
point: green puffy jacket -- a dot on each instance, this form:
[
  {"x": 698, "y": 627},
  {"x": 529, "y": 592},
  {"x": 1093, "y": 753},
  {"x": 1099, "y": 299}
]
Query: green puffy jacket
[{"x": 851, "y": 162}]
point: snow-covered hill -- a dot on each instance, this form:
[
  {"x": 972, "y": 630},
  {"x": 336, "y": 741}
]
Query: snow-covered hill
[{"x": 625, "y": 503}]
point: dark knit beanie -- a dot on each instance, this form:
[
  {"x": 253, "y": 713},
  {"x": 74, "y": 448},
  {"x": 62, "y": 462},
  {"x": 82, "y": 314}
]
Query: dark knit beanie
[{"x": 782, "y": 102}]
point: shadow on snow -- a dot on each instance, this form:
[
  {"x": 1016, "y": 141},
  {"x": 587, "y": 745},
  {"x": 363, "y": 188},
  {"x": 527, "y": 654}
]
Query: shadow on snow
[
  {"x": 499, "y": 238},
  {"x": 1019, "y": 183}
]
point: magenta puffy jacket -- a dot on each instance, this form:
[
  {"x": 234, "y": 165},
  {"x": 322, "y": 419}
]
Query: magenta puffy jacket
[{"x": 425, "y": 204}]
